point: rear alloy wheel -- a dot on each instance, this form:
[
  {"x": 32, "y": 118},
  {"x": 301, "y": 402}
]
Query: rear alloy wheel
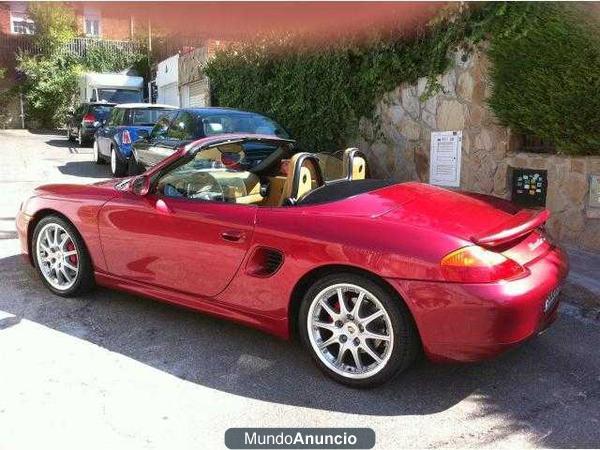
[
  {"x": 357, "y": 332},
  {"x": 61, "y": 257},
  {"x": 97, "y": 158},
  {"x": 117, "y": 167}
]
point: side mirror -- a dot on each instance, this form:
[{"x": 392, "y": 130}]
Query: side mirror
[
  {"x": 140, "y": 185},
  {"x": 143, "y": 135}
]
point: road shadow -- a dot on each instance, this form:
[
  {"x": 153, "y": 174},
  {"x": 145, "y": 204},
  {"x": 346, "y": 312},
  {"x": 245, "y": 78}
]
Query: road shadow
[
  {"x": 520, "y": 386},
  {"x": 87, "y": 169},
  {"x": 51, "y": 132},
  {"x": 72, "y": 146}
]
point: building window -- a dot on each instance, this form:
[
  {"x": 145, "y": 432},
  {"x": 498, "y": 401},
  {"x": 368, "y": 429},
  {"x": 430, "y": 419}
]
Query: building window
[
  {"x": 20, "y": 23},
  {"x": 91, "y": 23}
]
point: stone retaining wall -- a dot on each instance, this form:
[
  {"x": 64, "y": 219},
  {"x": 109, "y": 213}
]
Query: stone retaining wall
[{"x": 397, "y": 144}]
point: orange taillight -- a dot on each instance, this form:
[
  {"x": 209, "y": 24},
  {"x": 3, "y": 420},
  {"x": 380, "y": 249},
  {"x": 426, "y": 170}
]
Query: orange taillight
[{"x": 474, "y": 264}]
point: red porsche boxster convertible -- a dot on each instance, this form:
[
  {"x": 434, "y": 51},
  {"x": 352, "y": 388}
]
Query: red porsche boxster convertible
[{"x": 367, "y": 272}]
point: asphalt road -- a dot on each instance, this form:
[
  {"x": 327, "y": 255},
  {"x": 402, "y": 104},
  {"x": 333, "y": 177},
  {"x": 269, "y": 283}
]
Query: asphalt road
[{"x": 112, "y": 371}]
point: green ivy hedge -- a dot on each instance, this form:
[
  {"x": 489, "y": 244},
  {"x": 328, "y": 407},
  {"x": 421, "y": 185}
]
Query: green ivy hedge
[
  {"x": 319, "y": 94},
  {"x": 546, "y": 76}
]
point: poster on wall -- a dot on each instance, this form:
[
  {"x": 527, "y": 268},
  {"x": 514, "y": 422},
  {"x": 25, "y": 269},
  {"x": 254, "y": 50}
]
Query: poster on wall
[{"x": 444, "y": 166}]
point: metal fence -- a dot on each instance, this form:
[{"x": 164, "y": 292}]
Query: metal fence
[
  {"x": 162, "y": 46},
  {"x": 80, "y": 46},
  {"x": 12, "y": 44}
]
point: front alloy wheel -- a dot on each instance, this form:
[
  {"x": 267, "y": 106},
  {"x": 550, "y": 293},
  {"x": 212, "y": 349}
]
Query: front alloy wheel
[
  {"x": 61, "y": 257},
  {"x": 357, "y": 332}
]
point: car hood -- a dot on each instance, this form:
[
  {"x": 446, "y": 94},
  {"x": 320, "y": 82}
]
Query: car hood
[{"x": 102, "y": 189}]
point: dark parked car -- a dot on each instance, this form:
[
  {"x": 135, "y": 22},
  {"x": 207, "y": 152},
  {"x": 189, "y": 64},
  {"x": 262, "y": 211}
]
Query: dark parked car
[
  {"x": 85, "y": 120},
  {"x": 178, "y": 128},
  {"x": 125, "y": 122}
]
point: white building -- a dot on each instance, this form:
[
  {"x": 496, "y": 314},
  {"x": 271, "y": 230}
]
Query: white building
[{"x": 167, "y": 81}]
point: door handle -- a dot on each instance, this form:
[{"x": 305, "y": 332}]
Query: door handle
[{"x": 233, "y": 236}]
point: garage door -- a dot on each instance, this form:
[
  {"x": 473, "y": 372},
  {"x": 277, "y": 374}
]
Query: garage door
[
  {"x": 195, "y": 94},
  {"x": 168, "y": 94}
]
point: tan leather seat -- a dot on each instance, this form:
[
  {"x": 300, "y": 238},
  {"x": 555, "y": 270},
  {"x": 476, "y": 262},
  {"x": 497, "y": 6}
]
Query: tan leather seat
[
  {"x": 355, "y": 164},
  {"x": 304, "y": 174}
]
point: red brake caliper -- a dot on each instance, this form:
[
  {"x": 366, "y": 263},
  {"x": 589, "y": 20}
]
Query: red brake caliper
[{"x": 72, "y": 258}]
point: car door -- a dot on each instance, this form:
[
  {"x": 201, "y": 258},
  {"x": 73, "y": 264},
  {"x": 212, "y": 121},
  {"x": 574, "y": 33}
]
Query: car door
[
  {"x": 146, "y": 150},
  {"x": 104, "y": 133},
  {"x": 190, "y": 245}
]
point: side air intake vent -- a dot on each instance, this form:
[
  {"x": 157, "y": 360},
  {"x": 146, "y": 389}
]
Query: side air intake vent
[
  {"x": 273, "y": 260},
  {"x": 264, "y": 262}
]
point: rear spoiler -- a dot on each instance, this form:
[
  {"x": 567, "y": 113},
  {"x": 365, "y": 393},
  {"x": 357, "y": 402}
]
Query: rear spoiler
[{"x": 518, "y": 225}]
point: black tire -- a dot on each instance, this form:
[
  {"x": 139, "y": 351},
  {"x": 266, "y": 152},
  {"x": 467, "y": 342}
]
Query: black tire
[
  {"x": 406, "y": 342},
  {"x": 80, "y": 139},
  {"x": 84, "y": 281},
  {"x": 133, "y": 167},
  {"x": 120, "y": 168}
]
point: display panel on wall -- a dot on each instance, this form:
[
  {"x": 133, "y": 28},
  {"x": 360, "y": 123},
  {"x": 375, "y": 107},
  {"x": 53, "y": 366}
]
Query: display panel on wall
[
  {"x": 445, "y": 158},
  {"x": 529, "y": 187}
]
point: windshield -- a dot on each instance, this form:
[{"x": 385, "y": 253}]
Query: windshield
[
  {"x": 235, "y": 122},
  {"x": 228, "y": 172},
  {"x": 147, "y": 117},
  {"x": 119, "y": 95},
  {"x": 101, "y": 111}
]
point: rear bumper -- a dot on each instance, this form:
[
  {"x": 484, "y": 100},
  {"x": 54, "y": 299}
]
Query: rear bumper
[
  {"x": 472, "y": 322},
  {"x": 88, "y": 132}
]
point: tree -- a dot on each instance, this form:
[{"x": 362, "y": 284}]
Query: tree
[{"x": 55, "y": 25}]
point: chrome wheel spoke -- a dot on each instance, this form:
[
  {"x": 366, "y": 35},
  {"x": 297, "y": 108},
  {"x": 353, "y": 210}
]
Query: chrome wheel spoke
[
  {"x": 326, "y": 326},
  {"x": 340, "y": 297},
  {"x": 371, "y": 353},
  {"x": 329, "y": 309},
  {"x": 340, "y": 355},
  {"x": 47, "y": 237},
  {"x": 68, "y": 277},
  {"x": 356, "y": 358},
  {"x": 70, "y": 253},
  {"x": 372, "y": 317},
  {"x": 370, "y": 335},
  {"x": 70, "y": 266},
  {"x": 63, "y": 241},
  {"x": 358, "y": 304},
  {"x": 332, "y": 340}
]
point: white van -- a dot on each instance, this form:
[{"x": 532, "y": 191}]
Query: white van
[{"x": 110, "y": 88}]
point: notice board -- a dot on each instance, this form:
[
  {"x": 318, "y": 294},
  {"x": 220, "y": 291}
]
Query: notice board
[{"x": 444, "y": 161}]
